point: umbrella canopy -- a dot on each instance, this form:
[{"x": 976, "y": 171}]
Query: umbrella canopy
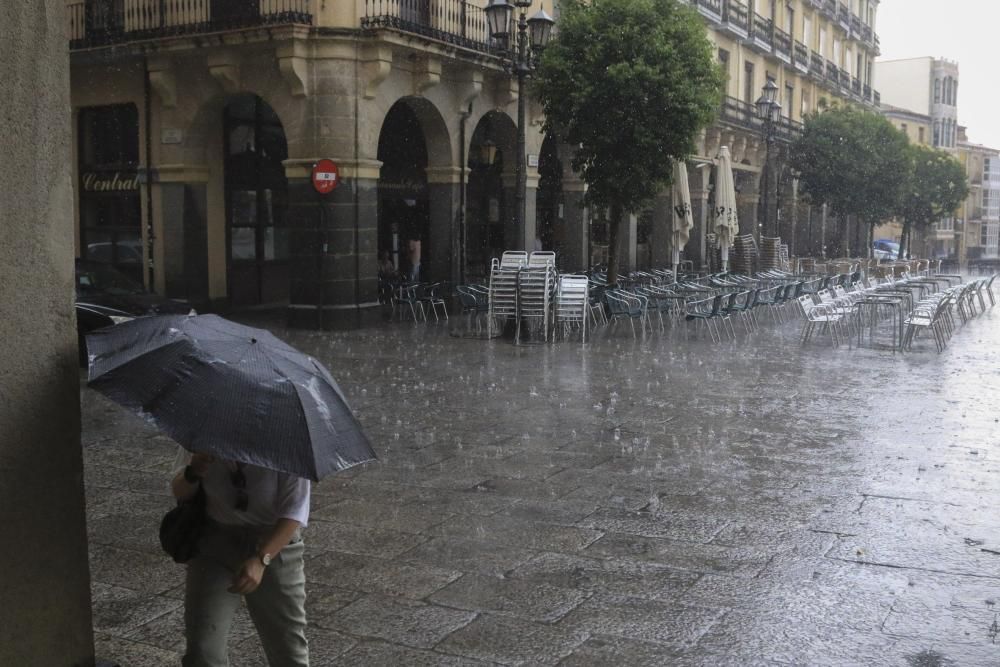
[
  {"x": 229, "y": 390},
  {"x": 726, "y": 222},
  {"x": 683, "y": 220}
]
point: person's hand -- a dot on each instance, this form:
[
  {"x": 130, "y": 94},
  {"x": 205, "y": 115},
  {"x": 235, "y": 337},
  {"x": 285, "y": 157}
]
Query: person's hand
[
  {"x": 200, "y": 463},
  {"x": 248, "y": 578}
]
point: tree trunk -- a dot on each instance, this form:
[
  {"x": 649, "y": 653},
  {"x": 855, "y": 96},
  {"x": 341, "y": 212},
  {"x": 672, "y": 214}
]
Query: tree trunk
[
  {"x": 904, "y": 240},
  {"x": 614, "y": 241},
  {"x": 870, "y": 239}
]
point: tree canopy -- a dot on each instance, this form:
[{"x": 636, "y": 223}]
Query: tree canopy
[
  {"x": 936, "y": 186},
  {"x": 854, "y": 161},
  {"x": 630, "y": 83}
]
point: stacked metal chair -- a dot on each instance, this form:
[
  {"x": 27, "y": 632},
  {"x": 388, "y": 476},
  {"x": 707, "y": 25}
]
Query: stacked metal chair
[
  {"x": 572, "y": 304},
  {"x": 536, "y": 288},
  {"x": 746, "y": 256},
  {"x": 503, "y": 289}
]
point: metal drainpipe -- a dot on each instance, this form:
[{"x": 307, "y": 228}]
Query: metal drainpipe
[
  {"x": 148, "y": 121},
  {"x": 463, "y": 117}
]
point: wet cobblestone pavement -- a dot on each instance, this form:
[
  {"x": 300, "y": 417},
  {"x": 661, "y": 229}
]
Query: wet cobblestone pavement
[{"x": 660, "y": 501}]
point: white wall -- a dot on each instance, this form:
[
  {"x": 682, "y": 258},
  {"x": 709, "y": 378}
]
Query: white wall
[{"x": 905, "y": 83}]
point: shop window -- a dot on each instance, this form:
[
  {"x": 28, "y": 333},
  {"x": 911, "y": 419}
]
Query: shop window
[{"x": 110, "y": 210}]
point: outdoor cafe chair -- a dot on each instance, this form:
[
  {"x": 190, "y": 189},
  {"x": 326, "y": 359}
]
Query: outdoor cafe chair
[
  {"x": 708, "y": 312},
  {"x": 820, "y": 316},
  {"x": 406, "y": 296},
  {"x": 623, "y": 305},
  {"x": 475, "y": 302},
  {"x": 431, "y": 294}
]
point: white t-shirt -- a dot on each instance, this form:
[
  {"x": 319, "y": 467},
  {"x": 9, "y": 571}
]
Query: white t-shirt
[{"x": 271, "y": 495}]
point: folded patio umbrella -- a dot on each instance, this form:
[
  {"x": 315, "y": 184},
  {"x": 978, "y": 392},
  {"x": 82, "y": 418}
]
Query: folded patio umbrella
[
  {"x": 726, "y": 222},
  {"x": 683, "y": 221},
  {"x": 229, "y": 390}
]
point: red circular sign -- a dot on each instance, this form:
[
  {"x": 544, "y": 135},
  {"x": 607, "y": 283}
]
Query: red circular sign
[{"x": 325, "y": 176}]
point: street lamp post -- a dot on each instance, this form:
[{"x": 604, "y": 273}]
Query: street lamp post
[
  {"x": 519, "y": 54},
  {"x": 769, "y": 111}
]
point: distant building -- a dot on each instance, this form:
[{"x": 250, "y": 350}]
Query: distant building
[
  {"x": 980, "y": 214},
  {"x": 929, "y": 87}
]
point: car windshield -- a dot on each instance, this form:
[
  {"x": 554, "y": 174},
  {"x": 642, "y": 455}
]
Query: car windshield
[{"x": 93, "y": 278}]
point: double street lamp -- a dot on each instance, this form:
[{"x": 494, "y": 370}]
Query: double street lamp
[
  {"x": 769, "y": 111},
  {"x": 519, "y": 57}
]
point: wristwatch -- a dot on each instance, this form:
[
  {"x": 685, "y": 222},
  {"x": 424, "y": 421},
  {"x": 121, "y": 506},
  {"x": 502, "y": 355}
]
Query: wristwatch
[
  {"x": 189, "y": 475},
  {"x": 265, "y": 559}
]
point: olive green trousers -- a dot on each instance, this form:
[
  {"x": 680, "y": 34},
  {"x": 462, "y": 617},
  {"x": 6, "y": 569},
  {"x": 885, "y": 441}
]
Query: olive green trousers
[{"x": 277, "y": 607}]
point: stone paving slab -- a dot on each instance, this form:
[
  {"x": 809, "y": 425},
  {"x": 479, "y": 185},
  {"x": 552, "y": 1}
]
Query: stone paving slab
[{"x": 648, "y": 501}]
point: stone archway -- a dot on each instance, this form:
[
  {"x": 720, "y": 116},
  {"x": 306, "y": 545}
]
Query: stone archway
[
  {"x": 415, "y": 202},
  {"x": 256, "y": 202},
  {"x": 489, "y": 200},
  {"x": 550, "y": 228}
]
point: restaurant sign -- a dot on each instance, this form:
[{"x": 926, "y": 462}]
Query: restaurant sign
[{"x": 110, "y": 182}]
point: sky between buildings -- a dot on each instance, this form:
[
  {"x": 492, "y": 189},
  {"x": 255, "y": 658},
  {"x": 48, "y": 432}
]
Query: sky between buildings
[{"x": 967, "y": 31}]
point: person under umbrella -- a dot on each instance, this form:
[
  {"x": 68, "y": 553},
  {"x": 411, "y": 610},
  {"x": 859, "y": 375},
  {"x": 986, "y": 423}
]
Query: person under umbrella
[
  {"x": 683, "y": 221},
  {"x": 726, "y": 221},
  {"x": 257, "y": 420}
]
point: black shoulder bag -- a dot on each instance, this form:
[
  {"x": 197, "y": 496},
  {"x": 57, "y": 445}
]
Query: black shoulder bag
[{"x": 182, "y": 526}]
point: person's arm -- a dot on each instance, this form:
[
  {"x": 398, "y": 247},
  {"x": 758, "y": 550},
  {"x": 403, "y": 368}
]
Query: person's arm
[
  {"x": 185, "y": 483},
  {"x": 248, "y": 578}
]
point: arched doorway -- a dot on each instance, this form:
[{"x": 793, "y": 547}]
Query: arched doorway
[
  {"x": 548, "y": 203},
  {"x": 256, "y": 198},
  {"x": 403, "y": 211},
  {"x": 490, "y": 191}
]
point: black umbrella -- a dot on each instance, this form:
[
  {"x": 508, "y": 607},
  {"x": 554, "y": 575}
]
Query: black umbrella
[{"x": 229, "y": 390}]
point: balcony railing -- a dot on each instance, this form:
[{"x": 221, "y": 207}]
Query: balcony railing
[
  {"x": 762, "y": 30},
  {"x": 867, "y": 92},
  {"x": 844, "y": 15},
  {"x": 855, "y": 24},
  {"x": 801, "y": 54},
  {"x": 783, "y": 42},
  {"x": 712, "y": 6},
  {"x": 830, "y": 7},
  {"x": 832, "y": 72},
  {"x": 744, "y": 114},
  {"x": 856, "y": 86},
  {"x": 816, "y": 64},
  {"x": 866, "y": 34},
  {"x": 94, "y": 23},
  {"x": 453, "y": 21},
  {"x": 845, "y": 79},
  {"x": 738, "y": 15},
  {"x": 877, "y": 99}
]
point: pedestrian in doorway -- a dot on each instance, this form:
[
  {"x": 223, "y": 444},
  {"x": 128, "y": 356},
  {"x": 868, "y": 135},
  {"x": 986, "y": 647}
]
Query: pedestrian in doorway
[
  {"x": 414, "y": 248},
  {"x": 251, "y": 549}
]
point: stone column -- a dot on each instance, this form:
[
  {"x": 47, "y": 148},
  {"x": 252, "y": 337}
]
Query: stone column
[
  {"x": 183, "y": 210},
  {"x": 660, "y": 233},
  {"x": 520, "y": 237},
  {"x": 627, "y": 242},
  {"x": 577, "y": 242},
  {"x": 696, "y": 249},
  {"x": 45, "y": 615},
  {"x": 333, "y": 244},
  {"x": 444, "y": 190},
  {"x": 748, "y": 201}
]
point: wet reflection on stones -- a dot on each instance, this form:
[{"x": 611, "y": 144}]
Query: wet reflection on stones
[{"x": 658, "y": 501}]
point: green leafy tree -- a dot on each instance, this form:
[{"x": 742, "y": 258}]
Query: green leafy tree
[
  {"x": 855, "y": 162},
  {"x": 936, "y": 187},
  {"x": 630, "y": 83}
]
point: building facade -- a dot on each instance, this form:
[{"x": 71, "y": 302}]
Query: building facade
[
  {"x": 928, "y": 86},
  {"x": 979, "y": 215},
  {"x": 819, "y": 53},
  {"x": 197, "y": 123}
]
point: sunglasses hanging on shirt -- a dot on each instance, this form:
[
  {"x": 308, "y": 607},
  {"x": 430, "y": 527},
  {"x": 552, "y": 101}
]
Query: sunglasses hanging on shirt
[{"x": 240, "y": 482}]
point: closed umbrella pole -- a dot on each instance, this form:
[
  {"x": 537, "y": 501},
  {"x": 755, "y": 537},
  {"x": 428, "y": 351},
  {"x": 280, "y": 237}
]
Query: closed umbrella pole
[
  {"x": 726, "y": 220},
  {"x": 683, "y": 221}
]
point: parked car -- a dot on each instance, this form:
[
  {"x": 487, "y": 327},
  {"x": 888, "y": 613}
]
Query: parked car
[
  {"x": 885, "y": 249},
  {"x": 106, "y": 296}
]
